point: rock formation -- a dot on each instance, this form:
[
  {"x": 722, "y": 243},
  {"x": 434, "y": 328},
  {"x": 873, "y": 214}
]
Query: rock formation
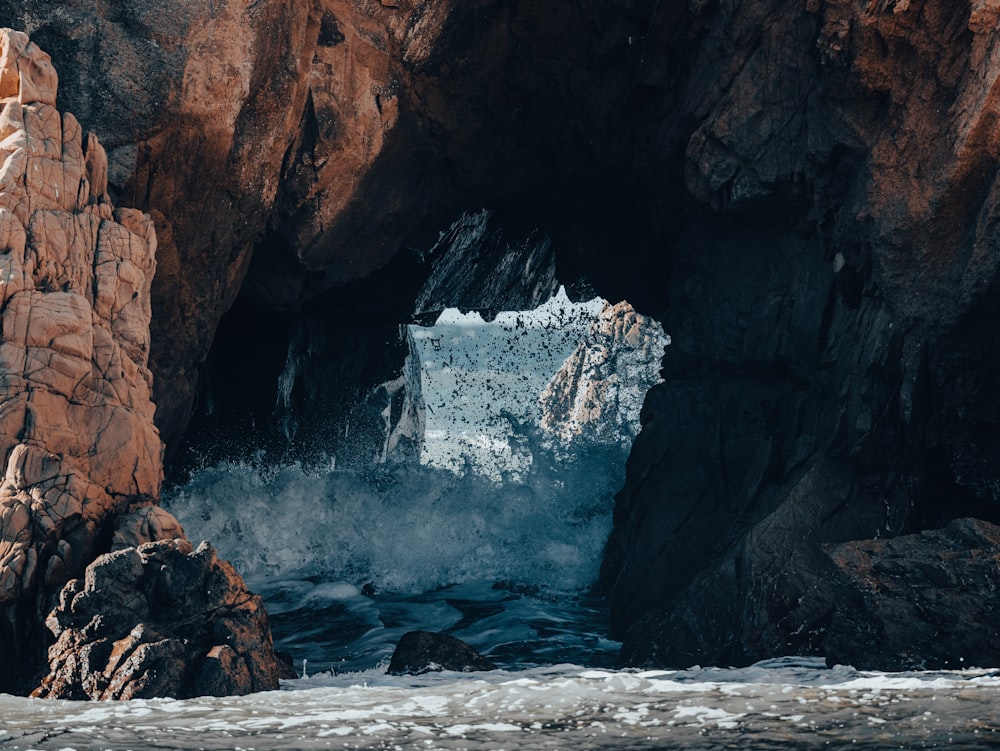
[
  {"x": 83, "y": 459},
  {"x": 830, "y": 299},
  {"x": 425, "y": 651},
  {"x": 926, "y": 601},
  {"x": 598, "y": 392},
  {"x": 76, "y": 422},
  {"x": 804, "y": 194},
  {"x": 159, "y": 620}
]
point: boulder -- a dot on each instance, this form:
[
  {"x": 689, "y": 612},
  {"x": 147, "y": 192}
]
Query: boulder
[
  {"x": 425, "y": 652},
  {"x": 160, "y": 619},
  {"x": 924, "y": 601}
]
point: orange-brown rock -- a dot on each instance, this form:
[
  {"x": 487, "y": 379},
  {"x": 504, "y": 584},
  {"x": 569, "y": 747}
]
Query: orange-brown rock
[
  {"x": 83, "y": 459},
  {"x": 76, "y": 419},
  {"x": 805, "y": 193},
  {"x": 160, "y": 619}
]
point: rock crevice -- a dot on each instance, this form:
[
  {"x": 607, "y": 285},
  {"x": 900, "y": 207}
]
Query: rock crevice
[{"x": 83, "y": 459}]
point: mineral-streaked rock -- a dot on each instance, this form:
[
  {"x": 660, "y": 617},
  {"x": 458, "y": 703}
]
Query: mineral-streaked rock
[{"x": 159, "y": 620}]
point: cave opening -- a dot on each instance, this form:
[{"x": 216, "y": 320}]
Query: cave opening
[{"x": 454, "y": 469}]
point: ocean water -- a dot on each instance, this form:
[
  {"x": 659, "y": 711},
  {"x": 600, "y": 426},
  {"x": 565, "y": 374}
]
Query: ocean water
[
  {"x": 495, "y": 537},
  {"x": 779, "y": 704}
]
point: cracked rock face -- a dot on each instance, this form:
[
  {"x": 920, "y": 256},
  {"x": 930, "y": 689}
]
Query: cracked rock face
[
  {"x": 76, "y": 418},
  {"x": 805, "y": 194},
  {"x": 83, "y": 459},
  {"x": 159, "y": 620},
  {"x": 598, "y": 392}
]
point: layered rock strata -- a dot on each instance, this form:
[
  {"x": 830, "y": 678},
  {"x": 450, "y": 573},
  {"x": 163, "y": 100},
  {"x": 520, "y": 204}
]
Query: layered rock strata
[{"x": 83, "y": 459}]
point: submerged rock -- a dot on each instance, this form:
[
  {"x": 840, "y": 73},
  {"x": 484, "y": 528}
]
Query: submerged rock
[
  {"x": 159, "y": 620},
  {"x": 425, "y": 652},
  {"x": 925, "y": 601}
]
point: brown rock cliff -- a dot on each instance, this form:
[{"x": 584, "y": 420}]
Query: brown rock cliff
[
  {"x": 83, "y": 459},
  {"x": 76, "y": 421},
  {"x": 804, "y": 193}
]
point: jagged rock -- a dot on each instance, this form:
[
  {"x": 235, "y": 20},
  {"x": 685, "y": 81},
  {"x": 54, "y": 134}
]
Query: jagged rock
[
  {"x": 159, "y": 620},
  {"x": 805, "y": 195},
  {"x": 145, "y": 524},
  {"x": 425, "y": 651},
  {"x": 918, "y": 602},
  {"x": 477, "y": 264},
  {"x": 830, "y": 304},
  {"x": 76, "y": 421},
  {"x": 599, "y": 390},
  {"x": 83, "y": 459}
]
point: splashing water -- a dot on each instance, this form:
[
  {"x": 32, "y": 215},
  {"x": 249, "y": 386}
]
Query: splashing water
[
  {"x": 347, "y": 561},
  {"x": 417, "y": 540},
  {"x": 496, "y": 536}
]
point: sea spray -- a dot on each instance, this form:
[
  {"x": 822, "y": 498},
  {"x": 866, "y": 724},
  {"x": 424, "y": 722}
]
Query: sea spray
[{"x": 409, "y": 527}]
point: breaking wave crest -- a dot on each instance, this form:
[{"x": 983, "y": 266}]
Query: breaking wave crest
[{"x": 409, "y": 527}]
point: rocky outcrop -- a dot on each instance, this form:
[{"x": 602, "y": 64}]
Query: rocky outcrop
[
  {"x": 919, "y": 602},
  {"x": 598, "y": 392},
  {"x": 83, "y": 459},
  {"x": 159, "y": 620},
  {"x": 477, "y": 264},
  {"x": 804, "y": 194},
  {"x": 197, "y": 105},
  {"x": 826, "y": 298},
  {"x": 76, "y": 421},
  {"x": 421, "y": 652}
]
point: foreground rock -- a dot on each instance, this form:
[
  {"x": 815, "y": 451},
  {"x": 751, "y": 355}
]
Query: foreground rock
[
  {"x": 159, "y": 620},
  {"x": 76, "y": 418},
  {"x": 425, "y": 652},
  {"x": 83, "y": 459},
  {"x": 919, "y": 602}
]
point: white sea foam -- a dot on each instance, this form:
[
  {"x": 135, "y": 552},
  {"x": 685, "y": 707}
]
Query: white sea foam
[{"x": 774, "y": 704}]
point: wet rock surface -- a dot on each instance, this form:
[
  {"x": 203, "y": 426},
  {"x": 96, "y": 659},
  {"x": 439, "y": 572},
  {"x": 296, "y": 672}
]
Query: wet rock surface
[
  {"x": 805, "y": 195},
  {"x": 426, "y": 651},
  {"x": 158, "y": 620},
  {"x": 926, "y": 601}
]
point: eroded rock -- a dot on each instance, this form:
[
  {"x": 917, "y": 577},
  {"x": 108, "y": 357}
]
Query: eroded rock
[
  {"x": 76, "y": 422},
  {"x": 83, "y": 459},
  {"x": 159, "y": 620},
  {"x": 599, "y": 390}
]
